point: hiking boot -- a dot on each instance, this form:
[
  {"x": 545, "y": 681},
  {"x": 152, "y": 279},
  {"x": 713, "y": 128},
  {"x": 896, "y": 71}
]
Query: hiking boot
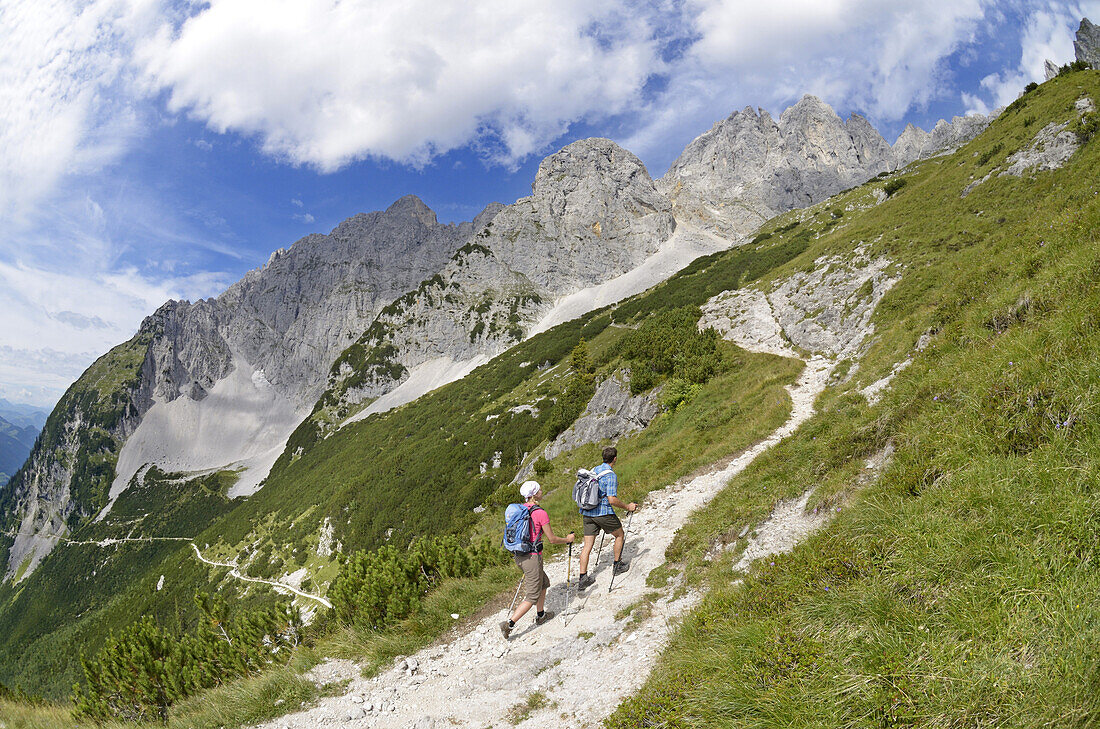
[
  {"x": 544, "y": 618},
  {"x": 585, "y": 582},
  {"x": 505, "y": 629},
  {"x": 621, "y": 566}
]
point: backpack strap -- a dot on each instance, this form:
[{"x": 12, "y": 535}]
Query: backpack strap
[{"x": 531, "y": 510}]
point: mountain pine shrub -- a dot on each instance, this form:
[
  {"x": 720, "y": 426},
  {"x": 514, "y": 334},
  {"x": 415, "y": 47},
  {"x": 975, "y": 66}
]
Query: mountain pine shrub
[
  {"x": 377, "y": 588},
  {"x": 894, "y": 185},
  {"x": 140, "y": 672},
  {"x": 669, "y": 344}
]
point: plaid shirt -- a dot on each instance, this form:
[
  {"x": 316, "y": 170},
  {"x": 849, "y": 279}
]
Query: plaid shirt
[{"x": 609, "y": 486}]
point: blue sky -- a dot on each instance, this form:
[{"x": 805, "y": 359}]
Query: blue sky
[{"x": 158, "y": 150}]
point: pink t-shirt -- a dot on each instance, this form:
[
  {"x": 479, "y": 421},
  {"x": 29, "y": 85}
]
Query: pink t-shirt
[{"x": 539, "y": 520}]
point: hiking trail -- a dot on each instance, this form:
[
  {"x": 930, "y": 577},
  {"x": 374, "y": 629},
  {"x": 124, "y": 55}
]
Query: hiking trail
[{"x": 585, "y": 662}]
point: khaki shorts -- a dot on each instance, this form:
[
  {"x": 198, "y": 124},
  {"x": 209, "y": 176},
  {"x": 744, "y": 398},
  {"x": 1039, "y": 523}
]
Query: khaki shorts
[
  {"x": 534, "y": 576},
  {"x": 608, "y": 523}
]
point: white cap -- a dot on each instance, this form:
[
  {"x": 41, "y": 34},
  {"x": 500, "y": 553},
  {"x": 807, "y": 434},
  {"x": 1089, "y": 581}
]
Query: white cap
[{"x": 529, "y": 489}]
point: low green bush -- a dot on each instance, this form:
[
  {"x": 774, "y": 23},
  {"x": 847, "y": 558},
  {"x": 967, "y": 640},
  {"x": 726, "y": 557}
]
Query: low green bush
[
  {"x": 146, "y": 668},
  {"x": 894, "y": 185},
  {"x": 377, "y": 588},
  {"x": 669, "y": 344}
]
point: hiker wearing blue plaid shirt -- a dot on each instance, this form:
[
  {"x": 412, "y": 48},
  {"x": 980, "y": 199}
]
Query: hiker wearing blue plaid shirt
[{"x": 603, "y": 518}]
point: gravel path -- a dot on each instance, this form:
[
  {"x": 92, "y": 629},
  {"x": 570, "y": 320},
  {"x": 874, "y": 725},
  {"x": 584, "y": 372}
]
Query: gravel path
[{"x": 583, "y": 662}]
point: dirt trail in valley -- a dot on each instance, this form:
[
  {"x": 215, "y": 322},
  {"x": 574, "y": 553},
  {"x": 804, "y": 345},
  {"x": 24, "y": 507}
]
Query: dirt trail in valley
[
  {"x": 235, "y": 571},
  {"x": 584, "y": 661}
]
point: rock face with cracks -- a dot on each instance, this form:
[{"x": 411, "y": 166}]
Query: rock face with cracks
[
  {"x": 826, "y": 311},
  {"x": 751, "y": 167},
  {"x": 1086, "y": 44},
  {"x": 611, "y": 414},
  {"x": 594, "y": 214}
]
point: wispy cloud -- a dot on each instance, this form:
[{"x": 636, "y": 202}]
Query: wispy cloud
[
  {"x": 62, "y": 108},
  {"x": 1048, "y": 34},
  {"x": 56, "y": 324}
]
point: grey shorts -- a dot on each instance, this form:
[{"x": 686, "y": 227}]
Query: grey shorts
[
  {"x": 608, "y": 523},
  {"x": 534, "y": 576}
]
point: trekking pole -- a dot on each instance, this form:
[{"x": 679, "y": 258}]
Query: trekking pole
[
  {"x": 568, "y": 581},
  {"x": 629, "y": 519},
  {"x": 569, "y": 566},
  {"x": 599, "y": 551},
  {"x": 515, "y": 597}
]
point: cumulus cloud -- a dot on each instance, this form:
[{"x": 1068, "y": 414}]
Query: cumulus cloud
[
  {"x": 1048, "y": 34},
  {"x": 323, "y": 83}
]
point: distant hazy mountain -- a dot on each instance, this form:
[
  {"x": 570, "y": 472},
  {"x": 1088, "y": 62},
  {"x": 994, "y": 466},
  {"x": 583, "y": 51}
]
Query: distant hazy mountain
[
  {"x": 16, "y": 442},
  {"x": 23, "y": 415}
]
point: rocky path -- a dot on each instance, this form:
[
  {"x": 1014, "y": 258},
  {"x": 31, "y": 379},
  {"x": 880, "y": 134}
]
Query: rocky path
[{"x": 582, "y": 663}]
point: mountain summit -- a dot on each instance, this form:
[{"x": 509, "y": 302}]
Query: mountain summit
[{"x": 750, "y": 167}]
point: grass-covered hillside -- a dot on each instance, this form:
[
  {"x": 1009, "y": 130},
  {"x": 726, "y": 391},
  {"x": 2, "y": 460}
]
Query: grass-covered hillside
[
  {"x": 958, "y": 588},
  {"x": 954, "y": 587}
]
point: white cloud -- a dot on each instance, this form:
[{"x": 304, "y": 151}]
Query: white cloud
[
  {"x": 323, "y": 82},
  {"x": 884, "y": 59},
  {"x": 1049, "y": 34},
  {"x": 56, "y": 324},
  {"x": 61, "y": 65},
  {"x": 304, "y": 218}
]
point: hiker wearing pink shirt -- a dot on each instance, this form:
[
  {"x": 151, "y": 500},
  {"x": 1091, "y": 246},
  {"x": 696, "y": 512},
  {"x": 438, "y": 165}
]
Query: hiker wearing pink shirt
[{"x": 535, "y": 581}]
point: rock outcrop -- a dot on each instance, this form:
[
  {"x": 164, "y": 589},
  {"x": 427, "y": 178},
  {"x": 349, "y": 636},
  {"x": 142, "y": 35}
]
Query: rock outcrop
[
  {"x": 826, "y": 311},
  {"x": 611, "y": 414},
  {"x": 1051, "y": 148},
  {"x": 1086, "y": 45},
  {"x": 751, "y": 167}
]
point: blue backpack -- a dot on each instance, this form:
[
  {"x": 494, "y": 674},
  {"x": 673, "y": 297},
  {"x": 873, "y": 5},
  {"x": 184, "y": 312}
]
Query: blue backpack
[{"x": 517, "y": 529}]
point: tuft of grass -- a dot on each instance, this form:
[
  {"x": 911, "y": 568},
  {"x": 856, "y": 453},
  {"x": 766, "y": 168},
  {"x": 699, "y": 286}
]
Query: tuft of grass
[{"x": 519, "y": 713}]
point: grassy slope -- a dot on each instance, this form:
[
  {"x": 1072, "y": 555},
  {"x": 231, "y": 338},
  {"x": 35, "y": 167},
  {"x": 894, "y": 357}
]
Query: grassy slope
[{"x": 958, "y": 588}]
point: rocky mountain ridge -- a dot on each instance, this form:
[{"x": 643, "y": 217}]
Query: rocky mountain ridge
[
  {"x": 750, "y": 167},
  {"x": 277, "y": 329},
  {"x": 594, "y": 214},
  {"x": 221, "y": 383}
]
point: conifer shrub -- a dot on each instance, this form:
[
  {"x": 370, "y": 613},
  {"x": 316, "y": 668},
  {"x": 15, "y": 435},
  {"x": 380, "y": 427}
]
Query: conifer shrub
[
  {"x": 379, "y": 587},
  {"x": 894, "y": 185},
  {"x": 574, "y": 396},
  {"x": 140, "y": 672},
  {"x": 669, "y": 344}
]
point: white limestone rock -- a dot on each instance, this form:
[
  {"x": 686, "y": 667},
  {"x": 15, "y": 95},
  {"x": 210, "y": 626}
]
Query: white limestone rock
[
  {"x": 825, "y": 311},
  {"x": 594, "y": 214},
  {"x": 750, "y": 167},
  {"x": 1051, "y": 148},
  {"x": 1086, "y": 44}
]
